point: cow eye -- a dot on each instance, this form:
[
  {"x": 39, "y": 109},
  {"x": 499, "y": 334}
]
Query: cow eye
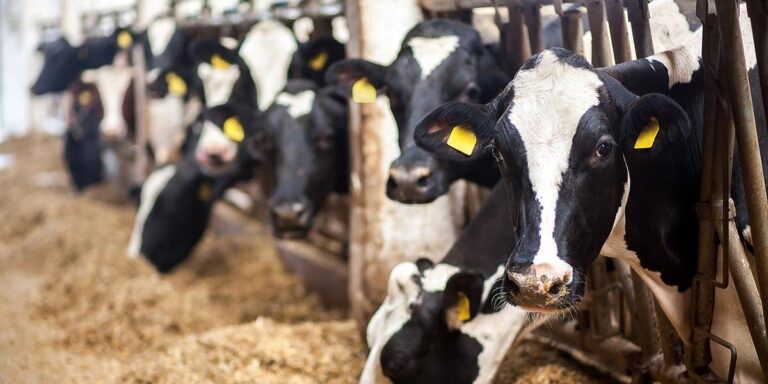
[{"x": 603, "y": 150}]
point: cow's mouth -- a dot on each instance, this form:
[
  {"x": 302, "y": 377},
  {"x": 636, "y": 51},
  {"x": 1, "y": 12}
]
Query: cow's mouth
[{"x": 289, "y": 228}]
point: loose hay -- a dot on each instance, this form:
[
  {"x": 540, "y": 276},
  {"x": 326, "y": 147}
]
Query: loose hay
[{"x": 75, "y": 309}]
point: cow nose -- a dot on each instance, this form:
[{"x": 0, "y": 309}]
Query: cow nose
[
  {"x": 410, "y": 184},
  {"x": 216, "y": 159},
  {"x": 291, "y": 215},
  {"x": 539, "y": 284}
]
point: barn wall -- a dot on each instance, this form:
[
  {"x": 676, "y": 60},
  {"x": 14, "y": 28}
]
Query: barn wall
[{"x": 383, "y": 232}]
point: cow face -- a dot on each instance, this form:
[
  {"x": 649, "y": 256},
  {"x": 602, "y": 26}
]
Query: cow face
[
  {"x": 224, "y": 75},
  {"x": 305, "y": 140},
  {"x": 435, "y": 327},
  {"x": 313, "y": 58},
  {"x": 438, "y": 62},
  {"x": 222, "y": 132},
  {"x": 563, "y": 135}
]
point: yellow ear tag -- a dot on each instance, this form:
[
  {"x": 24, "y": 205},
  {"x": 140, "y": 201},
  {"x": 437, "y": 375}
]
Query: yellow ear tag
[
  {"x": 363, "y": 92},
  {"x": 463, "y": 306},
  {"x": 648, "y": 135},
  {"x": 84, "y": 98},
  {"x": 319, "y": 61},
  {"x": 124, "y": 39},
  {"x": 234, "y": 130},
  {"x": 205, "y": 193},
  {"x": 176, "y": 85},
  {"x": 218, "y": 62},
  {"x": 462, "y": 140}
]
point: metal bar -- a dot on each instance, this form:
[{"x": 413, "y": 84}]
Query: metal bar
[
  {"x": 533, "y": 20},
  {"x": 517, "y": 43},
  {"x": 140, "y": 99},
  {"x": 637, "y": 10},
  {"x": 749, "y": 153},
  {"x": 758, "y": 14},
  {"x": 573, "y": 31},
  {"x": 646, "y": 319},
  {"x": 614, "y": 10},
  {"x": 601, "y": 48}
]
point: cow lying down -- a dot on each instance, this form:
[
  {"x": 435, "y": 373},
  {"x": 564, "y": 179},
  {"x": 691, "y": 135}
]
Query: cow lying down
[
  {"x": 605, "y": 161},
  {"x": 447, "y": 322}
]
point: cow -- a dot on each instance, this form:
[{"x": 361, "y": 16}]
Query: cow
[
  {"x": 447, "y": 322},
  {"x": 177, "y": 198},
  {"x": 439, "y": 61},
  {"x": 304, "y": 138},
  {"x": 82, "y": 146},
  {"x": 605, "y": 161}
]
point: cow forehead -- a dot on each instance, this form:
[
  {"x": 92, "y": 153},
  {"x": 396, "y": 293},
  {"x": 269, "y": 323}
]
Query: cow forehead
[
  {"x": 430, "y": 52},
  {"x": 298, "y": 104},
  {"x": 160, "y": 33}
]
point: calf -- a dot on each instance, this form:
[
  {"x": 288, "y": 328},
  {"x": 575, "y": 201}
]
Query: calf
[
  {"x": 82, "y": 147},
  {"x": 305, "y": 140},
  {"x": 446, "y": 322},
  {"x": 176, "y": 200},
  {"x": 604, "y": 161},
  {"x": 439, "y": 61}
]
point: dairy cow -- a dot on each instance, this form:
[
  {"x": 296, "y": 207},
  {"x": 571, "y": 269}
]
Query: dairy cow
[
  {"x": 439, "y": 61},
  {"x": 82, "y": 146},
  {"x": 304, "y": 138},
  {"x": 447, "y": 322},
  {"x": 604, "y": 161}
]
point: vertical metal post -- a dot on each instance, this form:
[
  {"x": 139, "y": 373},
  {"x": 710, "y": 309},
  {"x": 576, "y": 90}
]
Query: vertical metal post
[
  {"x": 573, "y": 31},
  {"x": 601, "y": 49},
  {"x": 140, "y": 99},
  {"x": 614, "y": 10},
  {"x": 746, "y": 135},
  {"x": 517, "y": 43},
  {"x": 637, "y": 10},
  {"x": 533, "y": 21}
]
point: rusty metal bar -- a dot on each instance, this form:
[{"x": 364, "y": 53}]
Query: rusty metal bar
[
  {"x": 637, "y": 10},
  {"x": 758, "y": 15},
  {"x": 614, "y": 10},
  {"x": 573, "y": 31},
  {"x": 601, "y": 48},
  {"x": 141, "y": 165},
  {"x": 749, "y": 153},
  {"x": 517, "y": 43},
  {"x": 533, "y": 21}
]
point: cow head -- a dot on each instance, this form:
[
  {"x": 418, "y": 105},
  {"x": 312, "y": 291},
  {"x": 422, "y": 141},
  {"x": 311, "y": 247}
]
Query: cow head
[
  {"x": 305, "y": 138},
  {"x": 566, "y": 140},
  {"x": 219, "y": 148},
  {"x": 223, "y": 73},
  {"x": 314, "y": 57},
  {"x": 440, "y": 61},
  {"x": 438, "y": 325}
]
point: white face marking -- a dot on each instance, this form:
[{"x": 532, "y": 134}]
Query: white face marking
[
  {"x": 213, "y": 142},
  {"x": 229, "y": 42},
  {"x": 166, "y": 126},
  {"x": 151, "y": 189},
  {"x": 681, "y": 62},
  {"x": 549, "y": 101},
  {"x": 160, "y": 33},
  {"x": 299, "y": 104},
  {"x": 430, "y": 52},
  {"x": 217, "y": 83},
  {"x": 112, "y": 82},
  {"x": 267, "y": 50}
]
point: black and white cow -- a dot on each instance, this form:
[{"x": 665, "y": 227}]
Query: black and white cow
[
  {"x": 176, "y": 199},
  {"x": 447, "y": 322},
  {"x": 439, "y": 61},
  {"x": 82, "y": 145},
  {"x": 305, "y": 140},
  {"x": 605, "y": 161}
]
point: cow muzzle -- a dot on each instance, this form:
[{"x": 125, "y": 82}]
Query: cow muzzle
[
  {"x": 291, "y": 219},
  {"x": 415, "y": 184},
  {"x": 540, "y": 287}
]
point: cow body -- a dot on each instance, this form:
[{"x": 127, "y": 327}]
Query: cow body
[
  {"x": 417, "y": 335},
  {"x": 585, "y": 182},
  {"x": 439, "y": 61}
]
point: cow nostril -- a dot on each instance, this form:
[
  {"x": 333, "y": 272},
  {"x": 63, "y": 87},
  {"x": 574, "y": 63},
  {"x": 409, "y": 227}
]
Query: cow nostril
[
  {"x": 422, "y": 181},
  {"x": 556, "y": 288}
]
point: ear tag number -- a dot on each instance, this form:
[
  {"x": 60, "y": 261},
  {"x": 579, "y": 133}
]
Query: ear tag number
[
  {"x": 234, "y": 130},
  {"x": 363, "y": 92},
  {"x": 463, "y": 307},
  {"x": 205, "y": 193},
  {"x": 648, "y": 135},
  {"x": 462, "y": 140},
  {"x": 319, "y": 61},
  {"x": 84, "y": 98},
  {"x": 124, "y": 39},
  {"x": 218, "y": 62},
  {"x": 176, "y": 85}
]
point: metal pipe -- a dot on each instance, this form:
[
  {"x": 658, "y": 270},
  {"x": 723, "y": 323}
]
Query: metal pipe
[
  {"x": 140, "y": 99},
  {"x": 641, "y": 29},
  {"x": 517, "y": 43},
  {"x": 601, "y": 49},
  {"x": 573, "y": 32},
  {"x": 614, "y": 10},
  {"x": 749, "y": 148},
  {"x": 533, "y": 21}
]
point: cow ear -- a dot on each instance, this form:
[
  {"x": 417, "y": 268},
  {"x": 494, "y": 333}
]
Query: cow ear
[
  {"x": 456, "y": 131},
  {"x": 652, "y": 124},
  {"x": 462, "y": 298},
  {"x": 346, "y": 73}
]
